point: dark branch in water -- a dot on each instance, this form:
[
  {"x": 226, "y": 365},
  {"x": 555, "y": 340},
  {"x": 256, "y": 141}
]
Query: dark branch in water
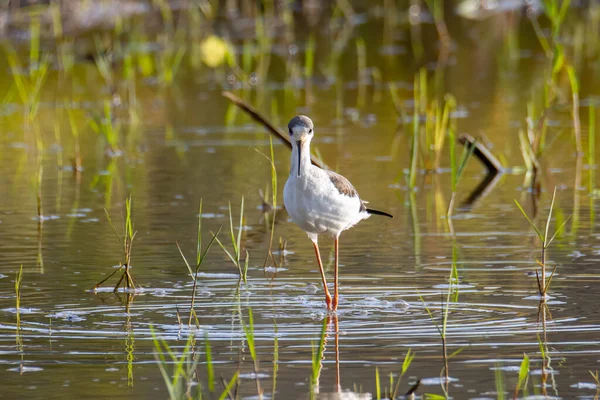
[
  {"x": 258, "y": 117},
  {"x": 492, "y": 164},
  {"x": 484, "y": 155}
]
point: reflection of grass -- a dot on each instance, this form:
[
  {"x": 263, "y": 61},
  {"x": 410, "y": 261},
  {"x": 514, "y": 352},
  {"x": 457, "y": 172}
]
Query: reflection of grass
[
  {"x": 18, "y": 288},
  {"x": 451, "y": 297}
]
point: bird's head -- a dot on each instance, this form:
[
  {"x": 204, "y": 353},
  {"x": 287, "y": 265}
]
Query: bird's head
[{"x": 300, "y": 129}]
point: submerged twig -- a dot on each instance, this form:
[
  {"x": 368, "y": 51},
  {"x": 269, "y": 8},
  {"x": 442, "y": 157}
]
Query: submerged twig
[
  {"x": 493, "y": 165},
  {"x": 258, "y": 117}
]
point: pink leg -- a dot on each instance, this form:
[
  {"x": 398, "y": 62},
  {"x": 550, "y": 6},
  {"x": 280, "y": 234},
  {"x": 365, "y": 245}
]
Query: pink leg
[
  {"x": 327, "y": 295},
  {"x": 335, "y": 276}
]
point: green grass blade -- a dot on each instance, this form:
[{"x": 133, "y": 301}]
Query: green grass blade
[
  {"x": 231, "y": 232},
  {"x": 377, "y": 384},
  {"x": 249, "y": 332},
  {"x": 499, "y": 380},
  {"x": 199, "y": 240},
  {"x": 113, "y": 228},
  {"x": 456, "y": 352},
  {"x": 128, "y": 220},
  {"x": 466, "y": 154},
  {"x": 430, "y": 315},
  {"x": 239, "y": 235},
  {"x": 523, "y": 372},
  {"x": 185, "y": 260},
  {"x": 407, "y": 360},
  {"x": 224, "y": 249},
  {"x": 540, "y": 235},
  {"x": 205, "y": 252},
  {"x": 559, "y": 230},
  {"x": 210, "y": 372},
  {"x": 549, "y": 219},
  {"x": 541, "y": 345},
  {"x": 229, "y": 386}
]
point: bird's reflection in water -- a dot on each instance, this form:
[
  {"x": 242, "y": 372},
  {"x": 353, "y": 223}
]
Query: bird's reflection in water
[{"x": 321, "y": 392}]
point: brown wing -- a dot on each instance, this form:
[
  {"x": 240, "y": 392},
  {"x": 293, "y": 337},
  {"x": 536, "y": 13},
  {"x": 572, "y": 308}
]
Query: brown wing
[{"x": 344, "y": 186}]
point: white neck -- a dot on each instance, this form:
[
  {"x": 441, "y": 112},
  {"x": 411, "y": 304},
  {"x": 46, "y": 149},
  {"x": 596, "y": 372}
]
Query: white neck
[{"x": 305, "y": 162}]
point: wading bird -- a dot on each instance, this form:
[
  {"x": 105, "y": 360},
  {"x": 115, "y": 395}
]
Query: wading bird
[{"x": 320, "y": 201}]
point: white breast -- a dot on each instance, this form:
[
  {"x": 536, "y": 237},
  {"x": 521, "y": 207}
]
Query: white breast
[{"x": 316, "y": 205}]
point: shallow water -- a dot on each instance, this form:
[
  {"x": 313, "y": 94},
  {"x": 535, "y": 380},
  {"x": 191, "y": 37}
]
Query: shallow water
[{"x": 76, "y": 342}]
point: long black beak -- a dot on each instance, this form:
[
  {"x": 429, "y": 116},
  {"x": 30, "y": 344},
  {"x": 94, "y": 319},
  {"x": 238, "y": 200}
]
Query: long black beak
[{"x": 299, "y": 146}]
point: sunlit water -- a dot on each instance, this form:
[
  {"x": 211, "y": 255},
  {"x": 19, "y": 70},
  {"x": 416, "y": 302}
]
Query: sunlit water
[{"x": 76, "y": 342}]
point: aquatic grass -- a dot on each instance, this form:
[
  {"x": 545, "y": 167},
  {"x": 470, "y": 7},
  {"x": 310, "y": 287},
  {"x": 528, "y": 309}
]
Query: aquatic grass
[
  {"x": 317, "y": 359},
  {"x": 556, "y": 11},
  {"x": 77, "y": 159},
  {"x": 273, "y": 205},
  {"x": 451, "y": 297},
  {"x": 236, "y": 242},
  {"x": 18, "y": 292},
  {"x": 200, "y": 256},
  {"x": 596, "y": 378},
  {"x": 439, "y": 129},
  {"x": 457, "y": 168},
  {"x": 126, "y": 240},
  {"x": 166, "y": 13},
  {"x": 591, "y": 154},
  {"x": 574, "y": 82},
  {"x": 437, "y": 10},
  {"x": 377, "y": 384},
  {"x": 210, "y": 369},
  {"x": 414, "y": 149},
  {"x": 499, "y": 382},
  {"x": 28, "y": 85},
  {"x": 38, "y": 190},
  {"x": 180, "y": 379},
  {"x": 432, "y": 122},
  {"x": 275, "y": 361},
  {"x": 170, "y": 61},
  {"x": 104, "y": 63},
  {"x": 591, "y": 158},
  {"x": 546, "y": 240},
  {"x": 249, "y": 333},
  {"x": 523, "y": 376},
  {"x": 106, "y": 127},
  {"x": 361, "y": 61},
  {"x": 408, "y": 358}
]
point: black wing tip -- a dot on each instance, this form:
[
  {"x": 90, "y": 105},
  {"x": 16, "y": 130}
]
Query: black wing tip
[{"x": 377, "y": 212}]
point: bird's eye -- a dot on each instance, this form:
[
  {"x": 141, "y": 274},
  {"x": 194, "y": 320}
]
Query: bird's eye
[
  {"x": 291, "y": 132},
  {"x": 310, "y": 131}
]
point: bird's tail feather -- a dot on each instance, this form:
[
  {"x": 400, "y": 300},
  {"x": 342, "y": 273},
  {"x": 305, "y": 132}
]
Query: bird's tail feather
[{"x": 377, "y": 212}]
